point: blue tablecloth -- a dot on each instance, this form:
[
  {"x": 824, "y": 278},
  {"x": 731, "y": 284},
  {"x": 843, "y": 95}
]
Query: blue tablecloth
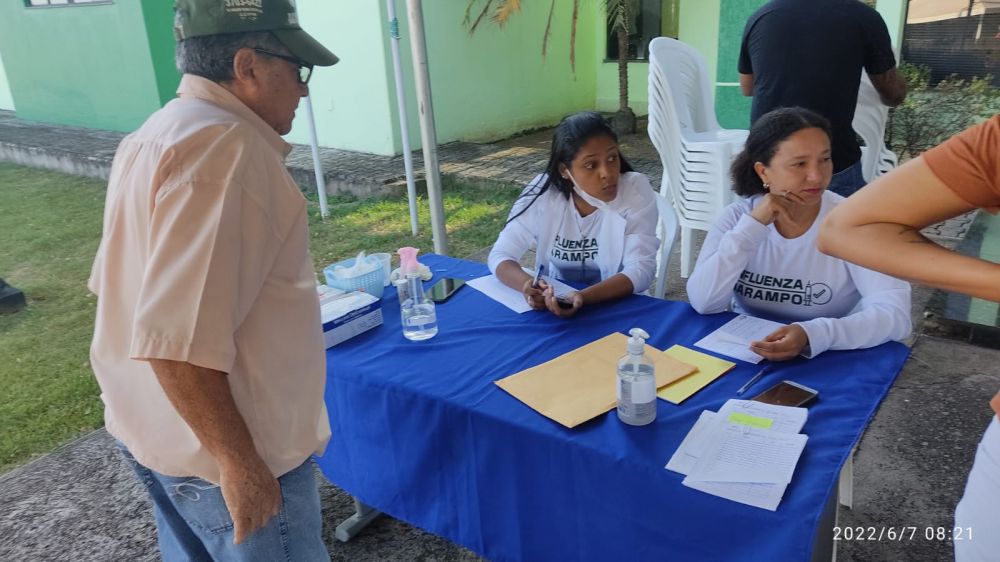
[{"x": 421, "y": 432}]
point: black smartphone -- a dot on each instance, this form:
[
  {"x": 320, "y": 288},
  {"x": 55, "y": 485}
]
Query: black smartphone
[
  {"x": 444, "y": 288},
  {"x": 787, "y": 393},
  {"x": 564, "y": 303}
]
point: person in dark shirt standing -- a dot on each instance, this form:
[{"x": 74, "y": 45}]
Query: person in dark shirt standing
[{"x": 810, "y": 53}]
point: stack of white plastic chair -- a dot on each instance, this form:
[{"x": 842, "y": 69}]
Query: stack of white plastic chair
[
  {"x": 695, "y": 151},
  {"x": 870, "y": 118},
  {"x": 667, "y": 234}
]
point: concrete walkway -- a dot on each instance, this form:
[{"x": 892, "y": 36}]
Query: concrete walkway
[{"x": 81, "y": 502}]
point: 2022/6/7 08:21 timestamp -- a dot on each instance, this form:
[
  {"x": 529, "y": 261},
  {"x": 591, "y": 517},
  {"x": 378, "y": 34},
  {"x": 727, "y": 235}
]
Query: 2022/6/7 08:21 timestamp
[{"x": 902, "y": 533}]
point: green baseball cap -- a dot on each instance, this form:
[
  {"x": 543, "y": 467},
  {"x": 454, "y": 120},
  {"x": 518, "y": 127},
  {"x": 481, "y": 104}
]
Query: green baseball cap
[{"x": 194, "y": 18}]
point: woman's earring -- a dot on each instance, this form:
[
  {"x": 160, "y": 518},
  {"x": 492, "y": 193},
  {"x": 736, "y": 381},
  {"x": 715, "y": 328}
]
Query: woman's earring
[{"x": 767, "y": 186}]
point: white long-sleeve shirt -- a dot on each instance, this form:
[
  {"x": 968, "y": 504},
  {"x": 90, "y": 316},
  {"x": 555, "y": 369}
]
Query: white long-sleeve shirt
[
  {"x": 619, "y": 237},
  {"x": 751, "y": 268}
]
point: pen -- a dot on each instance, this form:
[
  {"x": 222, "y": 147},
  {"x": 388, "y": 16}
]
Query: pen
[
  {"x": 538, "y": 275},
  {"x": 761, "y": 373}
]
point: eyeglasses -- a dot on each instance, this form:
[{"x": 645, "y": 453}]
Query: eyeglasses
[{"x": 305, "y": 69}]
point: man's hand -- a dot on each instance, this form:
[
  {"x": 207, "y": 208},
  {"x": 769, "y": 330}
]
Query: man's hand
[
  {"x": 252, "y": 495},
  {"x": 203, "y": 399},
  {"x": 785, "y": 343}
]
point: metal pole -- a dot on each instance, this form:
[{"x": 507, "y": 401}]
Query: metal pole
[
  {"x": 324, "y": 211},
  {"x": 428, "y": 135},
  {"x": 404, "y": 126}
]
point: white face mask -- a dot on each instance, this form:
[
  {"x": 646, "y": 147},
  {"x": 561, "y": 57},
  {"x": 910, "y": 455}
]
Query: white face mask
[{"x": 583, "y": 194}]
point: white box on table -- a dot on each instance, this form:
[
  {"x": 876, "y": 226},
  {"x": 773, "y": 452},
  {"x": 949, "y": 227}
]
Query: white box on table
[{"x": 346, "y": 315}]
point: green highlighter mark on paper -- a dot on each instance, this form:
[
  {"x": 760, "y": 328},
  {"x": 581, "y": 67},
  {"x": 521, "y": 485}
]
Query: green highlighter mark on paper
[{"x": 753, "y": 421}]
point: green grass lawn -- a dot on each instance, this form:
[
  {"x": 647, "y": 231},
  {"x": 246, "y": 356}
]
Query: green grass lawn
[{"x": 51, "y": 225}]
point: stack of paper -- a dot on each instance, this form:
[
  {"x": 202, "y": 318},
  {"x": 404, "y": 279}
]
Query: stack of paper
[
  {"x": 734, "y": 337},
  {"x": 746, "y": 452}
]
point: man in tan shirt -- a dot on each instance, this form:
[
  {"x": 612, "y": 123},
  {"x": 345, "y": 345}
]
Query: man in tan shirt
[{"x": 207, "y": 344}]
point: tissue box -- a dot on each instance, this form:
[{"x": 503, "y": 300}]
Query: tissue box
[{"x": 349, "y": 315}]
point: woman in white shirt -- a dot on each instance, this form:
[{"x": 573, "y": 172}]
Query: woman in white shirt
[
  {"x": 760, "y": 257},
  {"x": 591, "y": 219}
]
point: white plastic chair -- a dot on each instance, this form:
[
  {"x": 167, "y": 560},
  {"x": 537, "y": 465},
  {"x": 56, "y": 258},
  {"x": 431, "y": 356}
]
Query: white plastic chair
[
  {"x": 694, "y": 150},
  {"x": 870, "y": 118},
  {"x": 667, "y": 234}
]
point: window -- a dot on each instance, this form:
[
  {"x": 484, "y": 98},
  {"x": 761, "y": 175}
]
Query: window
[
  {"x": 36, "y": 3},
  {"x": 650, "y": 19}
]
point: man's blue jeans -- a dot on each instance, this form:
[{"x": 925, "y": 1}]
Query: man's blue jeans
[
  {"x": 193, "y": 522},
  {"x": 848, "y": 180}
]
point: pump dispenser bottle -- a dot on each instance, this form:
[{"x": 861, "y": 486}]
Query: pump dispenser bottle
[
  {"x": 417, "y": 312},
  {"x": 636, "y": 382}
]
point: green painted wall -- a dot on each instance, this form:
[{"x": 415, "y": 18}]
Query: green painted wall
[
  {"x": 731, "y": 107},
  {"x": 158, "y": 17},
  {"x": 351, "y": 99},
  {"x": 699, "y": 27},
  {"x": 79, "y": 65},
  {"x": 894, "y": 14},
  {"x": 6, "y": 100},
  {"x": 486, "y": 86}
]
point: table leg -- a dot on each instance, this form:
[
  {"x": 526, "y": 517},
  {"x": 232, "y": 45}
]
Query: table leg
[
  {"x": 847, "y": 481},
  {"x": 363, "y": 515},
  {"x": 824, "y": 547}
]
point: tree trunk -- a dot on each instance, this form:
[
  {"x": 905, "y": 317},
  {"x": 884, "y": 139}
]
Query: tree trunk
[
  {"x": 622, "y": 69},
  {"x": 623, "y": 121}
]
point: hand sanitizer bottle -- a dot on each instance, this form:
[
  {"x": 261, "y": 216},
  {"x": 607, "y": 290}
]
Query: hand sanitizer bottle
[
  {"x": 417, "y": 312},
  {"x": 636, "y": 382}
]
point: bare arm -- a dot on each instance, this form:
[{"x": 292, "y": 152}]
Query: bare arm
[
  {"x": 615, "y": 287},
  {"x": 890, "y": 85},
  {"x": 879, "y": 228},
  {"x": 746, "y": 84},
  {"x": 203, "y": 399},
  {"x": 509, "y": 272}
]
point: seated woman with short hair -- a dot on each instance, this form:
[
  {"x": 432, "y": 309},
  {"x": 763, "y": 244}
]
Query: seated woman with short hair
[{"x": 760, "y": 257}]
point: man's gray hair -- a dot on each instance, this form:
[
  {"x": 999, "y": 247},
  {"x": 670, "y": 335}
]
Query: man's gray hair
[{"x": 211, "y": 56}]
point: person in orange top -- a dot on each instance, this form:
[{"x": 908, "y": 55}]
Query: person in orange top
[
  {"x": 879, "y": 228},
  {"x": 207, "y": 344}
]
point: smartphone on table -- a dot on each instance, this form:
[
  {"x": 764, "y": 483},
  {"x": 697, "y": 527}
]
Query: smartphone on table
[
  {"x": 787, "y": 393},
  {"x": 444, "y": 288}
]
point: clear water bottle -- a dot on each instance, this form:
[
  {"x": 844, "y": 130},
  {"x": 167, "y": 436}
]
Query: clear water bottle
[
  {"x": 416, "y": 311},
  {"x": 636, "y": 382}
]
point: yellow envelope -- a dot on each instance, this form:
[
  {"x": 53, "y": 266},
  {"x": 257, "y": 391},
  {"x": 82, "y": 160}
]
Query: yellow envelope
[
  {"x": 581, "y": 384},
  {"x": 709, "y": 369}
]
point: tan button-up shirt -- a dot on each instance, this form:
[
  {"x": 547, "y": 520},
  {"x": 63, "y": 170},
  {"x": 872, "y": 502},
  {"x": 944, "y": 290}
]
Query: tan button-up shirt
[{"x": 205, "y": 259}]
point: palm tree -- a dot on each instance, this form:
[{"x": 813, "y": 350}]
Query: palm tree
[{"x": 619, "y": 16}]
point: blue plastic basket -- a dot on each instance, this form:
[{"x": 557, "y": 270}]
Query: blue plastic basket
[{"x": 372, "y": 282}]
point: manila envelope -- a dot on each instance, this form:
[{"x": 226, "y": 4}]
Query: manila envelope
[
  {"x": 582, "y": 384},
  {"x": 709, "y": 369}
]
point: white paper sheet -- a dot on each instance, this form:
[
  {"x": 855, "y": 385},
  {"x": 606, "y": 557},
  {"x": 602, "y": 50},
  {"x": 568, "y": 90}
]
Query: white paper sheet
[
  {"x": 513, "y": 299},
  {"x": 734, "y": 337},
  {"x": 740, "y": 453},
  {"x": 686, "y": 455},
  {"x": 764, "y": 496},
  {"x": 784, "y": 419}
]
